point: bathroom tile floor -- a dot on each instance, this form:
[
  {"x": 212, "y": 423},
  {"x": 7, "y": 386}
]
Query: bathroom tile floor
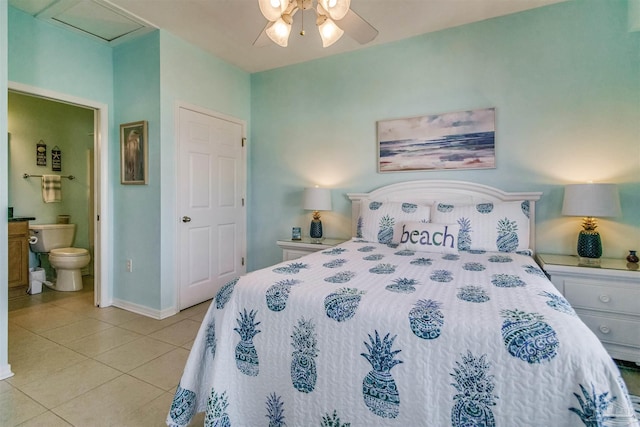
[{"x": 79, "y": 365}]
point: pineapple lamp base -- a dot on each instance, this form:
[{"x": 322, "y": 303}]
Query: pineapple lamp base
[
  {"x": 315, "y": 232},
  {"x": 589, "y": 247}
]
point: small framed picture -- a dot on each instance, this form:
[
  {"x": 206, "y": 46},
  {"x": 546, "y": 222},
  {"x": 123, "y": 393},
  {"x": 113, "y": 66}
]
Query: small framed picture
[
  {"x": 296, "y": 233},
  {"x": 133, "y": 153}
]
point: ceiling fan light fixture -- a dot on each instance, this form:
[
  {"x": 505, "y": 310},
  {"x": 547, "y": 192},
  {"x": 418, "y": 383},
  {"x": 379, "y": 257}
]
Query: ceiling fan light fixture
[
  {"x": 329, "y": 32},
  {"x": 337, "y": 9},
  {"x": 279, "y": 31},
  {"x": 272, "y": 9},
  {"x": 333, "y": 19}
]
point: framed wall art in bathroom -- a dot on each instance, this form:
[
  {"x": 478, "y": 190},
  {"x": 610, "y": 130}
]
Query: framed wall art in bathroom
[{"x": 134, "y": 155}]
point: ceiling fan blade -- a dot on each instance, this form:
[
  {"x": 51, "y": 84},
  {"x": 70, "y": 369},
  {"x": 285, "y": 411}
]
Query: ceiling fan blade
[
  {"x": 357, "y": 28},
  {"x": 262, "y": 39}
]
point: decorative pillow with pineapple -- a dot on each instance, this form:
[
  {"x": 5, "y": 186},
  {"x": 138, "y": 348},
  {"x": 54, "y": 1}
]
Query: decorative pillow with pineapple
[
  {"x": 494, "y": 227},
  {"x": 381, "y": 221}
]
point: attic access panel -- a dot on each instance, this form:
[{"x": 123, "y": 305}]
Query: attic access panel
[{"x": 97, "y": 20}]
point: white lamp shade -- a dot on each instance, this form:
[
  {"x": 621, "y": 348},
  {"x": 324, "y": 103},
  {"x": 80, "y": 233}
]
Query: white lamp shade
[
  {"x": 591, "y": 200},
  {"x": 279, "y": 32},
  {"x": 272, "y": 9},
  {"x": 329, "y": 32},
  {"x": 337, "y": 8},
  {"x": 317, "y": 199}
]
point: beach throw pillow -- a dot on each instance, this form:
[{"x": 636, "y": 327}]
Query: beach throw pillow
[
  {"x": 495, "y": 227},
  {"x": 429, "y": 237},
  {"x": 379, "y": 220}
]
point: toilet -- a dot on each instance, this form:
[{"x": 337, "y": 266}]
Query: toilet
[{"x": 56, "y": 240}]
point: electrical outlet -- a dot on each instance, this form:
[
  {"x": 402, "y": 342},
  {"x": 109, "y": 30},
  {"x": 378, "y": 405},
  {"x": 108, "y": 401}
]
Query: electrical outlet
[{"x": 129, "y": 265}]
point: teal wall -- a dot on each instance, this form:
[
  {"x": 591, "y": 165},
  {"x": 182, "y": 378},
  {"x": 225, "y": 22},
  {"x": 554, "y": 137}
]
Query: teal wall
[
  {"x": 66, "y": 126},
  {"x": 138, "y": 80},
  {"x": 563, "y": 79},
  {"x": 136, "y": 208},
  {"x": 150, "y": 77},
  {"x": 565, "y": 82},
  {"x": 218, "y": 87},
  {"x": 49, "y": 57},
  {"x": 191, "y": 74},
  {"x": 52, "y": 59}
]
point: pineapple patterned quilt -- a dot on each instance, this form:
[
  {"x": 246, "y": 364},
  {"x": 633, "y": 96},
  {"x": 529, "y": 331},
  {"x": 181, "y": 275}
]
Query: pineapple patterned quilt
[{"x": 365, "y": 334}]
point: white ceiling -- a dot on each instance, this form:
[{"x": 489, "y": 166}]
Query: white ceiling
[{"x": 228, "y": 28}]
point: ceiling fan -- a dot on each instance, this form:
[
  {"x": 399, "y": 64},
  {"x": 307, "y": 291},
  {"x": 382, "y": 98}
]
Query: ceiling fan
[{"x": 333, "y": 19}]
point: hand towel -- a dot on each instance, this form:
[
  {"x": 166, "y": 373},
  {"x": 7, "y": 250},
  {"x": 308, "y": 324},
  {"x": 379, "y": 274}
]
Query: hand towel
[{"x": 51, "y": 188}]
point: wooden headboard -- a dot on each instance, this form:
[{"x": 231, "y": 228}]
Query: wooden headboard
[{"x": 430, "y": 191}]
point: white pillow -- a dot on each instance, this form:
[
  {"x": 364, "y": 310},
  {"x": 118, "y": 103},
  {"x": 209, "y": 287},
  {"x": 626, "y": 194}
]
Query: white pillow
[
  {"x": 495, "y": 227},
  {"x": 379, "y": 220},
  {"x": 430, "y": 237}
]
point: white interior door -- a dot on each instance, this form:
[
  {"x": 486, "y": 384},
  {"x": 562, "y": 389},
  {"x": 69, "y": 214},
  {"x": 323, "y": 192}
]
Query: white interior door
[{"x": 211, "y": 187}]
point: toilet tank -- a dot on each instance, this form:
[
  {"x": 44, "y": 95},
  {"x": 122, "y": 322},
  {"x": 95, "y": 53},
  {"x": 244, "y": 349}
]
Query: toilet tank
[{"x": 52, "y": 236}]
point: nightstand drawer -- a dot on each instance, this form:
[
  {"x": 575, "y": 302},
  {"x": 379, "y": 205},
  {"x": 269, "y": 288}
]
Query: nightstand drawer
[
  {"x": 291, "y": 254},
  {"x": 294, "y": 249},
  {"x": 618, "y": 331},
  {"x": 606, "y": 298}
]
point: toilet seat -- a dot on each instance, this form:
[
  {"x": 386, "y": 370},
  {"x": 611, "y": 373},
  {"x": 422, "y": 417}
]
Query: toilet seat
[{"x": 69, "y": 252}]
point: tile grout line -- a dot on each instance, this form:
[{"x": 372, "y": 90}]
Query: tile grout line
[{"x": 72, "y": 306}]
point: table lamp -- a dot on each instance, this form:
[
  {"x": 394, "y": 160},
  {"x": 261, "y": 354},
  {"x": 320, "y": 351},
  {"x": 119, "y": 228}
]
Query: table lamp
[
  {"x": 316, "y": 199},
  {"x": 590, "y": 201}
]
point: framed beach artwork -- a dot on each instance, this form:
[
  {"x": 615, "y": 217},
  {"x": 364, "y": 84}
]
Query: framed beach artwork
[
  {"x": 134, "y": 154},
  {"x": 449, "y": 141}
]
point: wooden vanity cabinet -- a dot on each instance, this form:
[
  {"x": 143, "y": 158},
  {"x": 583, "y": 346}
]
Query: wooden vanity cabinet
[{"x": 18, "y": 253}]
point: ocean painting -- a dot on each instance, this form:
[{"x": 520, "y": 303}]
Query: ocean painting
[{"x": 460, "y": 140}]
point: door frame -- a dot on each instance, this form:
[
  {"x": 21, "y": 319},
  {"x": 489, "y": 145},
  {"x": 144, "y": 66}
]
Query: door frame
[
  {"x": 103, "y": 289},
  {"x": 202, "y": 110}
]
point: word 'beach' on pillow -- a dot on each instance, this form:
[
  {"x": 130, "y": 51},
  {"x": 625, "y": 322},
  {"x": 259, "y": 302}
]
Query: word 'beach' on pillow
[{"x": 430, "y": 237}]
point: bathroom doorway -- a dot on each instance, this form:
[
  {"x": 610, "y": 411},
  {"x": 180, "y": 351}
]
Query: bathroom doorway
[
  {"x": 81, "y": 156},
  {"x": 63, "y": 134}
]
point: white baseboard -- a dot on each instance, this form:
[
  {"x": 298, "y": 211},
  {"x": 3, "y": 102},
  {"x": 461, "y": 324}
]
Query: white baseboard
[
  {"x": 143, "y": 310},
  {"x": 5, "y": 372}
]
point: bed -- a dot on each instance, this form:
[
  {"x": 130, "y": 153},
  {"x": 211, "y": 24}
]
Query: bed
[{"x": 433, "y": 314}]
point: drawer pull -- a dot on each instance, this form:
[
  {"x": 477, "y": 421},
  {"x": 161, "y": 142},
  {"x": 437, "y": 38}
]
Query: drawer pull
[
  {"x": 604, "y": 329},
  {"x": 604, "y": 298}
]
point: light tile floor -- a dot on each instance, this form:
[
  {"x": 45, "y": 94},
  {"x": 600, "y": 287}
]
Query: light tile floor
[{"x": 79, "y": 365}]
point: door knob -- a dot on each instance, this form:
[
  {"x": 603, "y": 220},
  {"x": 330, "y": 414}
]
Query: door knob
[{"x": 186, "y": 219}]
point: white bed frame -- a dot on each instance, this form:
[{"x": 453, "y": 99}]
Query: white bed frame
[{"x": 428, "y": 192}]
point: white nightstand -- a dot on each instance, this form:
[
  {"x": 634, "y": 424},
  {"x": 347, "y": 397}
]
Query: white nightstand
[
  {"x": 294, "y": 249},
  {"x": 607, "y": 299}
]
